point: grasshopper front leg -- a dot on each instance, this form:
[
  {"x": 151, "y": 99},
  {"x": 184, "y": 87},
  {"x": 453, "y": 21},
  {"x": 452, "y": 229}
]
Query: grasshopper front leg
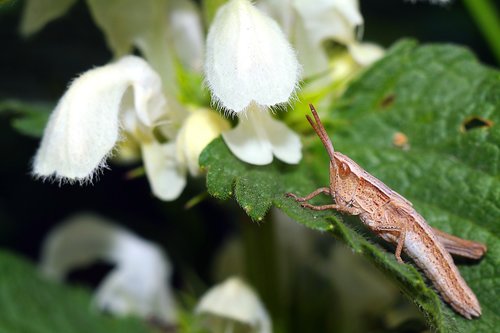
[{"x": 321, "y": 190}]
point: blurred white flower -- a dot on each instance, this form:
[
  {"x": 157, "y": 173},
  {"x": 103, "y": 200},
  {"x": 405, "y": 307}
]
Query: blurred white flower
[
  {"x": 234, "y": 303},
  {"x": 258, "y": 136},
  {"x": 140, "y": 282},
  {"x": 329, "y": 19},
  {"x": 365, "y": 54},
  {"x": 248, "y": 59},
  {"x": 186, "y": 33},
  {"x": 308, "y": 24}
]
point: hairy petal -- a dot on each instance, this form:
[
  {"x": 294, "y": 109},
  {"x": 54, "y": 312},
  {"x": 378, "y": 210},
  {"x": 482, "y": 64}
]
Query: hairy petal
[
  {"x": 84, "y": 126},
  {"x": 248, "y": 58}
]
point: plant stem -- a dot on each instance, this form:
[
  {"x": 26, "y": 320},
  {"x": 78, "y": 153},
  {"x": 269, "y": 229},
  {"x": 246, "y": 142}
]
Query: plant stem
[
  {"x": 488, "y": 20},
  {"x": 262, "y": 265}
]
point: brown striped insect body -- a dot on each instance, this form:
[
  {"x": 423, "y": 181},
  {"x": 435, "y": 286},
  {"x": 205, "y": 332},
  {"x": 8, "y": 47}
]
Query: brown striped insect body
[{"x": 393, "y": 218}]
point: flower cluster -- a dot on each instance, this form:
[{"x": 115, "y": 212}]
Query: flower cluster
[
  {"x": 140, "y": 282},
  {"x": 253, "y": 60}
]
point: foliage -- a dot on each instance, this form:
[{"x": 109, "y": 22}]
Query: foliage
[
  {"x": 29, "y": 118},
  {"x": 32, "y": 304},
  {"x": 447, "y": 106}
]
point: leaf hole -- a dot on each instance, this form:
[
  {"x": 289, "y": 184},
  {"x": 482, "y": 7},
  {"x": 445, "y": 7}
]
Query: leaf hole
[
  {"x": 387, "y": 101},
  {"x": 475, "y": 122}
]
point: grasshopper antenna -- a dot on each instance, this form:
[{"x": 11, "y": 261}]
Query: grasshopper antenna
[{"x": 320, "y": 130}]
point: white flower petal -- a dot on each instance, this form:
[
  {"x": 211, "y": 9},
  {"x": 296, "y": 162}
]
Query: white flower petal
[
  {"x": 84, "y": 126},
  {"x": 166, "y": 176},
  {"x": 366, "y": 54},
  {"x": 234, "y": 300},
  {"x": 330, "y": 19},
  {"x": 198, "y": 130},
  {"x": 139, "y": 283},
  {"x": 311, "y": 54},
  {"x": 248, "y": 141},
  {"x": 285, "y": 143},
  {"x": 258, "y": 136},
  {"x": 248, "y": 58}
]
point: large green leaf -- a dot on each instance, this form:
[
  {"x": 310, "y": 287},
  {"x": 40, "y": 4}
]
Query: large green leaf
[
  {"x": 31, "y": 304},
  {"x": 447, "y": 105}
]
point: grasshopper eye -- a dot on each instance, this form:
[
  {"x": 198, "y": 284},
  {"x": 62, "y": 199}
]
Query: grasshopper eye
[{"x": 344, "y": 170}]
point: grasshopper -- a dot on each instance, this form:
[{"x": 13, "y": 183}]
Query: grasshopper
[{"x": 392, "y": 217}]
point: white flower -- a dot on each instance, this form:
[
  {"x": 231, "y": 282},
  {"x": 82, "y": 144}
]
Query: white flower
[
  {"x": 248, "y": 59},
  {"x": 330, "y": 19},
  {"x": 83, "y": 130},
  {"x": 258, "y": 136},
  {"x": 139, "y": 284},
  {"x": 310, "y": 23},
  {"x": 233, "y": 302},
  {"x": 84, "y": 127}
]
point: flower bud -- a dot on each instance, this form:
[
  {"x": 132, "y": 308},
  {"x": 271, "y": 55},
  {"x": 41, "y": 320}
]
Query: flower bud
[
  {"x": 198, "y": 130},
  {"x": 231, "y": 303}
]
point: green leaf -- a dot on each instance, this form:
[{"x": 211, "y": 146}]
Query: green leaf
[
  {"x": 29, "y": 118},
  {"x": 258, "y": 188},
  {"x": 447, "y": 105},
  {"x": 31, "y": 304}
]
